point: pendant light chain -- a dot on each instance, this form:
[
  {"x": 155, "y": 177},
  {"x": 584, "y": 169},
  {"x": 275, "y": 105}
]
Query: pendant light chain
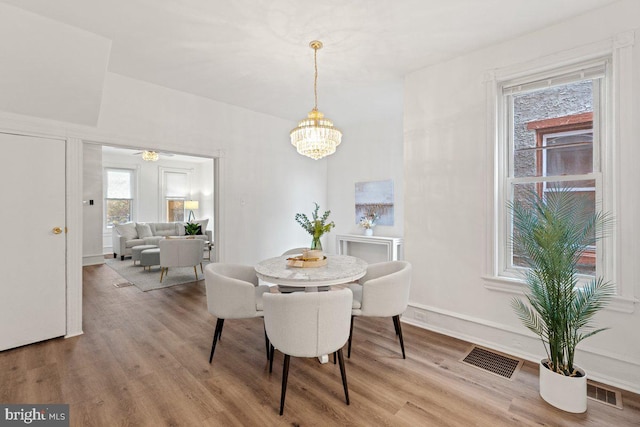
[{"x": 315, "y": 80}]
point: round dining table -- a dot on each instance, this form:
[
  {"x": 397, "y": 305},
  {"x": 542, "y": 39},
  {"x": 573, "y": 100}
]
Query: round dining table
[{"x": 338, "y": 270}]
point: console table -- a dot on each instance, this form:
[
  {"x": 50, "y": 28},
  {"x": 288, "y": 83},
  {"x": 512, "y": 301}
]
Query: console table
[{"x": 392, "y": 243}]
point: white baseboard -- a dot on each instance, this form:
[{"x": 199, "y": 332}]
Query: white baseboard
[
  {"x": 601, "y": 366},
  {"x": 92, "y": 260},
  {"x": 74, "y": 334}
]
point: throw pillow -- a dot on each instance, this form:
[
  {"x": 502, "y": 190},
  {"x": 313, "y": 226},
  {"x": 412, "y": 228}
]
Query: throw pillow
[
  {"x": 180, "y": 228},
  {"x": 144, "y": 230},
  {"x": 127, "y": 230},
  {"x": 203, "y": 224}
]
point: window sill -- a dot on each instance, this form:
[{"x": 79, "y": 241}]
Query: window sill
[{"x": 514, "y": 286}]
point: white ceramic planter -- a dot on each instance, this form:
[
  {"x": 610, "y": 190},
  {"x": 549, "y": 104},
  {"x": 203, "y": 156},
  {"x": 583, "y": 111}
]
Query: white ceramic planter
[
  {"x": 566, "y": 393},
  {"x": 368, "y": 231}
]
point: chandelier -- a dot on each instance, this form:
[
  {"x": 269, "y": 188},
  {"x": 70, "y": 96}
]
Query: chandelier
[
  {"x": 315, "y": 136},
  {"x": 150, "y": 156}
]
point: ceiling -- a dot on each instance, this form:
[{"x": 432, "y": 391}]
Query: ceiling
[{"x": 255, "y": 53}]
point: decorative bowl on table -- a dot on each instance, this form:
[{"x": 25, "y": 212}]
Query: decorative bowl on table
[
  {"x": 303, "y": 261},
  {"x": 312, "y": 254}
]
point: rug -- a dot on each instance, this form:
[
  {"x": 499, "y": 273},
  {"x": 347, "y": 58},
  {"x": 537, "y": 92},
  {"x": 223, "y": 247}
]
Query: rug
[{"x": 147, "y": 280}]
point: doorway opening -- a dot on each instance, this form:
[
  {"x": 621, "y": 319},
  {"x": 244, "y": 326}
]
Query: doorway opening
[{"x": 125, "y": 184}]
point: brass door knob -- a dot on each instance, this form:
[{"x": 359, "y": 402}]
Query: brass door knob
[{"x": 57, "y": 230}]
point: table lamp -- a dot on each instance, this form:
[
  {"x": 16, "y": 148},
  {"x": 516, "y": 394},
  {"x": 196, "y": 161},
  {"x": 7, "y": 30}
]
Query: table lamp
[{"x": 191, "y": 205}]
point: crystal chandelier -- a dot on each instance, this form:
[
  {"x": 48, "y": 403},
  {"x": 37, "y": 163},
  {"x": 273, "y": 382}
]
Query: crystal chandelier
[
  {"x": 150, "y": 156},
  {"x": 315, "y": 136}
]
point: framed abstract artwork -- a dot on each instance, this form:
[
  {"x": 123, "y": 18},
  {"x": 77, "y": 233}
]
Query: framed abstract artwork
[{"x": 375, "y": 198}]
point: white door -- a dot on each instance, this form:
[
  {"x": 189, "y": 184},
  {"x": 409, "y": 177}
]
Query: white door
[{"x": 32, "y": 250}]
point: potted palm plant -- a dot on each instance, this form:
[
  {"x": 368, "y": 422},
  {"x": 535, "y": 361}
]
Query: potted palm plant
[{"x": 551, "y": 233}]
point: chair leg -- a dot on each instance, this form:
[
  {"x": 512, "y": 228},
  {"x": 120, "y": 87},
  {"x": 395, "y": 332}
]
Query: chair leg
[
  {"x": 343, "y": 373},
  {"x": 216, "y": 335},
  {"x": 266, "y": 342},
  {"x": 335, "y": 357},
  {"x": 396, "y": 320},
  {"x": 285, "y": 375},
  {"x": 161, "y": 273},
  {"x": 272, "y": 349},
  {"x": 350, "y": 335},
  {"x": 195, "y": 270},
  {"x": 201, "y": 269},
  {"x": 395, "y": 324}
]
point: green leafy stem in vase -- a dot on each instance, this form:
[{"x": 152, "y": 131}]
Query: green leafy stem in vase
[{"x": 316, "y": 227}]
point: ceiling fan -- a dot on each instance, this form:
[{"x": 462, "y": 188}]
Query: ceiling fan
[
  {"x": 152, "y": 156},
  {"x": 164, "y": 153}
]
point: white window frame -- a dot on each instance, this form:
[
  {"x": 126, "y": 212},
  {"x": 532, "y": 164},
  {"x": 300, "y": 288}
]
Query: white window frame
[
  {"x": 162, "y": 196},
  {"x": 617, "y": 106},
  {"x": 506, "y": 174},
  {"x": 133, "y": 172}
]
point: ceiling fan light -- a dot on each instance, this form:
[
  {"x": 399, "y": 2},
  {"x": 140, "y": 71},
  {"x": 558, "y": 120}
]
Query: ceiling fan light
[{"x": 150, "y": 156}]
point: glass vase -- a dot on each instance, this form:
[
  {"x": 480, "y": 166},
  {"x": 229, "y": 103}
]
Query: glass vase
[{"x": 315, "y": 244}]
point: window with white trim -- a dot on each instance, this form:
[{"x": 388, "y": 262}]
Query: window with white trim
[
  {"x": 119, "y": 196},
  {"x": 551, "y": 135},
  {"x": 176, "y": 187}
]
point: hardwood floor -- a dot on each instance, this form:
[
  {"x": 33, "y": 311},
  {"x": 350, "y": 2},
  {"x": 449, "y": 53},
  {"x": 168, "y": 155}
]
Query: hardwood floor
[{"x": 143, "y": 361}]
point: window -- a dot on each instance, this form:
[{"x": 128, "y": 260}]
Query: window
[
  {"x": 175, "y": 210},
  {"x": 119, "y": 191},
  {"x": 551, "y": 137},
  {"x": 176, "y": 190}
]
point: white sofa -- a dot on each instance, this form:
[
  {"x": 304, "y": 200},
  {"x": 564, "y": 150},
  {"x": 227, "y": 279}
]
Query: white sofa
[{"x": 126, "y": 236}]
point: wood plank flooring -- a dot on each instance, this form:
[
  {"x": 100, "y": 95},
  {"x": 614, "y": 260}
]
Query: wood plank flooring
[{"x": 143, "y": 361}]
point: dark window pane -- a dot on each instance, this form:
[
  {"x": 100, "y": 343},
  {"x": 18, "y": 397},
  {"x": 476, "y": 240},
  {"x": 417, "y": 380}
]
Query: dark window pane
[{"x": 568, "y": 155}]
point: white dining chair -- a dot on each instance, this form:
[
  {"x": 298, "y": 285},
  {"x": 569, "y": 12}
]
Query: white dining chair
[
  {"x": 233, "y": 293},
  {"x": 180, "y": 253},
  {"x": 382, "y": 292},
  {"x": 308, "y": 324}
]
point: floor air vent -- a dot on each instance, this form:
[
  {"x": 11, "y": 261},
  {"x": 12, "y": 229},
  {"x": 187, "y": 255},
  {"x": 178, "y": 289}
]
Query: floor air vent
[
  {"x": 604, "y": 395},
  {"x": 122, "y": 284},
  {"x": 488, "y": 360}
]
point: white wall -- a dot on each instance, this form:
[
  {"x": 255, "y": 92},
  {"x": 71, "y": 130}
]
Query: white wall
[
  {"x": 448, "y": 175},
  {"x": 92, "y": 247},
  {"x": 370, "y": 151},
  {"x": 264, "y": 182}
]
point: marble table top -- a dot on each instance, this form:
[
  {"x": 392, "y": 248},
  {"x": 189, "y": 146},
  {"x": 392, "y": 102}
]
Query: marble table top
[{"x": 339, "y": 269}]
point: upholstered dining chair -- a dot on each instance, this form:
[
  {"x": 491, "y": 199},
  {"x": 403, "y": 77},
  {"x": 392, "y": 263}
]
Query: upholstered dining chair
[
  {"x": 233, "y": 293},
  {"x": 180, "y": 253},
  {"x": 382, "y": 292},
  {"x": 308, "y": 324}
]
